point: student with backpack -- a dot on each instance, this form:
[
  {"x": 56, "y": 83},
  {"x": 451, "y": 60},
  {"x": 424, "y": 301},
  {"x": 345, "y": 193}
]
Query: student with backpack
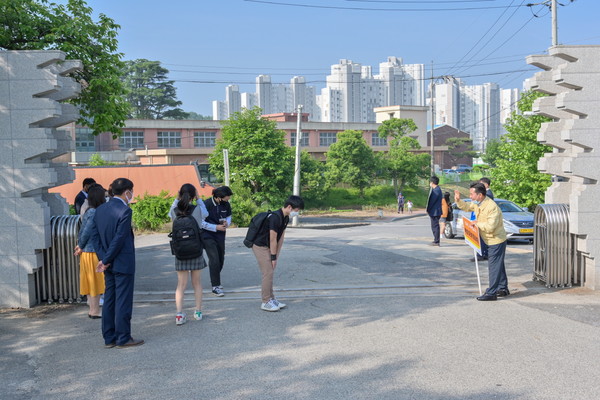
[
  {"x": 267, "y": 247},
  {"x": 219, "y": 213},
  {"x": 186, "y": 245}
]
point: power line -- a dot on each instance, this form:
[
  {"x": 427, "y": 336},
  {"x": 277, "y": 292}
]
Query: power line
[{"x": 372, "y": 9}]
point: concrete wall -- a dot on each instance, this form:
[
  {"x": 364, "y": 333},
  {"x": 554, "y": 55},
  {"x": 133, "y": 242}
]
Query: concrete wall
[
  {"x": 571, "y": 77},
  {"x": 32, "y": 86}
]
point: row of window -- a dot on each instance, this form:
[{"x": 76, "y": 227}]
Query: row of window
[{"x": 172, "y": 139}]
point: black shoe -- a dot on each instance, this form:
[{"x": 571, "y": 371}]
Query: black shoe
[
  {"x": 502, "y": 293},
  {"x": 479, "y": 258},
  {"x": 487, "y": 297},
  {"x": 435, "y": 244}
]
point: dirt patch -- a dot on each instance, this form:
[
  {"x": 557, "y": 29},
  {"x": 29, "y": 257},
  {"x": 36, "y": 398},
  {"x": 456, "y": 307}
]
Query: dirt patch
[{"x": 37, "y": 312}]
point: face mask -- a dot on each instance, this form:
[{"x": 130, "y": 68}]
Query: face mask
[
  {"x": 129, "y": 199},
  {"x": 475, "y": 202},
  {"x": 294, "y": 214}
]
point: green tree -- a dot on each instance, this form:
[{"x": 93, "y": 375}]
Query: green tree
[
  {"x": 258, "y": 157},
  {"x": 96, "y": 160},
  {"x": 312, "y": 177},
  {"x": 401, "y": 163},
  {"x": 516, "y": 176},
  {"x": 492, "y": 152},
  {"x": 150, "y": 94},
  {"x": 41, "y": 25},
  {"x": 350, "y": 160},
  {"x": 460, "y": 148},
  {"x": 404, "y": 165},
  {"x": 197, "y": 117}
]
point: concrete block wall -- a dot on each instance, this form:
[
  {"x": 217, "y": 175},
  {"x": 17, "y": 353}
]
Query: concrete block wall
[
  {"x": 571, "y": 76},
  {"x": 32, "y": 86}
]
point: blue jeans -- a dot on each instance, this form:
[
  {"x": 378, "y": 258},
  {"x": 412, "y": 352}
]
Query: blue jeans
[{"x": 496, "y": 268}]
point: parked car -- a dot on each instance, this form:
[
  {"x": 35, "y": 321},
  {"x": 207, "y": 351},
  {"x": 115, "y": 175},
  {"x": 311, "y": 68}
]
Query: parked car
[
  {"x": 450, "y": 172},
  {"x": 518, "y": 222},
  {"x": 462, "y": 170}
]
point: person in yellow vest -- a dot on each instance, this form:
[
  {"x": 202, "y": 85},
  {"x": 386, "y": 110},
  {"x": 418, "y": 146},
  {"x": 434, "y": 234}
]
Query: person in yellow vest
[{"x": 491, "y": 230}]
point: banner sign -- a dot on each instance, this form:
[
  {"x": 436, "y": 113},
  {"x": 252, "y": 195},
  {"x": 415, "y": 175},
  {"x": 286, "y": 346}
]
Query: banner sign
[{"x": 472, "y": 234}]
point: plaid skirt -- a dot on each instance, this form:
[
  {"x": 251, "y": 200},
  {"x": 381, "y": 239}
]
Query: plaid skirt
[{"x": 190, "y": 265}]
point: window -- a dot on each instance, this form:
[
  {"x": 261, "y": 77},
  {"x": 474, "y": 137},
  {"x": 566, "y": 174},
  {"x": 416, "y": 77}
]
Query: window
[
  {"x": 327, "y": 138},
  {"x": 205, "y": 139},
  {"x": 303, "y": 139},
  {"x": 84, "y": 140},
  {"x": 131, "y": 140},
  {"x": 377, "y": 141},
  {"x": 169, "y": 139}
]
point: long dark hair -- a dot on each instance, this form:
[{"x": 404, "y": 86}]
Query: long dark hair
[
  {"x": 447, "y": 197},
  {"x": 96, "y": 195},
  {"x": 187, "y": 193}
]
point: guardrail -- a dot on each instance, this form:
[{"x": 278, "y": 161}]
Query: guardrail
[
  {"x": 58, "y": 279},
  {"x": 555, "y": 257}
]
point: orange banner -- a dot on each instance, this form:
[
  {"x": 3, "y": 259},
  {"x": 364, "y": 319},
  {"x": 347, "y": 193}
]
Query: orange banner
[{"x": 472, "y": 234}]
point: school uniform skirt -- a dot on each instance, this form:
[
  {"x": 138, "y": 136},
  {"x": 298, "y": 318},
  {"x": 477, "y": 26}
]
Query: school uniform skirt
[
  {"x": 90, "y": 282},
  {"x": 190, "y": 265}
]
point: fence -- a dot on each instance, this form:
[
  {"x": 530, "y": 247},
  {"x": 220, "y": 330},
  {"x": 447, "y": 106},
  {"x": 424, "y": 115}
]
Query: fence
[
  {"x": 555, "y": 257},
  {"x": 58, "y": 279}
]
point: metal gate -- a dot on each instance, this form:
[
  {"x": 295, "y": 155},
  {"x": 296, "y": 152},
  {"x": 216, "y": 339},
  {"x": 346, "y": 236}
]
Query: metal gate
[
  {"x": 554, "y": 250},
  {"x": 58, "y": 279}
]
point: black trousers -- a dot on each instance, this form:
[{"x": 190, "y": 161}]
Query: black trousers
[
  {"x": 435, "y": 228},
  {"x": 497, "y": 270},
  {"x": 215, "y": 251}
]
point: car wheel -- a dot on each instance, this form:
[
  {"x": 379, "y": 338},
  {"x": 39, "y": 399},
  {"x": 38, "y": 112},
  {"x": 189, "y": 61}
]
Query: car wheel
[{"x": 448, "y": 231}]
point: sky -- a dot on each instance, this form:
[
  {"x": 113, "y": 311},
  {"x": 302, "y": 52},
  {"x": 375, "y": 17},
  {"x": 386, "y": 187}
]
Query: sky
[{"x": 208, "y": 44}]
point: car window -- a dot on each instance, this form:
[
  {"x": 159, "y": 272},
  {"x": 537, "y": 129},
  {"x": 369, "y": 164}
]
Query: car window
[{"x": 506, "y": 206}]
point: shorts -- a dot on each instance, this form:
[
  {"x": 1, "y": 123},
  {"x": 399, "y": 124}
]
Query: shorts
[{"x": 442, "y": 219}]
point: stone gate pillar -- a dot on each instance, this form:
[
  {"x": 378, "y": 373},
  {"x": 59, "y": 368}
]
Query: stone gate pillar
[
  {"x": 571, "y": 78},
  {"x": 33, "y": 85}
]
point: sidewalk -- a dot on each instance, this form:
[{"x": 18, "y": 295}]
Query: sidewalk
[{"x": 373, "y": 313}]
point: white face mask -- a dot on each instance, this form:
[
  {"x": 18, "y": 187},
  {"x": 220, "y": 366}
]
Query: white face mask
[
  {"x": 294, "y": 214},
  {"x": 127, "y": 197}
]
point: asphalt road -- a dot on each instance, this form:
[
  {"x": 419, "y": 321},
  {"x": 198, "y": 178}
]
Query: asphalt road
[{"x": 373, "y": 313}]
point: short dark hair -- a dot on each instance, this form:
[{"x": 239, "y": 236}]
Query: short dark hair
[
  {"x": 121, "y": 185},
  {"x": 486, "y": 181},
  {"x": 479, "y": 187},
  {"x": 88, "y": 181},
  {"x": 295, "y": 202},
  {"x": 435, "y": 180},
  {"x": 96, "y": 195},
  {"x": 221, "y": 192}
]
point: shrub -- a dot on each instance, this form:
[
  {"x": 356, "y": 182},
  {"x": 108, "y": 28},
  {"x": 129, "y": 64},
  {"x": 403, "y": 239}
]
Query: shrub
[
  {"x": 243, "y": 207},
  {"x": 151, "y": 212}
]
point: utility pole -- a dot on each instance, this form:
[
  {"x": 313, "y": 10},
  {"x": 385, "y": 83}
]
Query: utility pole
[
  {"x": 432, "y": 121},
  {"x": 554, "y": 24},
  {"x": 226, "y": 165},
  {"x": 297, "y": 163}
]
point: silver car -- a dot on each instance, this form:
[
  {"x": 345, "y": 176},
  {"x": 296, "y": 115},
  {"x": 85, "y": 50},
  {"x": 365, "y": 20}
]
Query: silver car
[{"x": 518, "y": 222}]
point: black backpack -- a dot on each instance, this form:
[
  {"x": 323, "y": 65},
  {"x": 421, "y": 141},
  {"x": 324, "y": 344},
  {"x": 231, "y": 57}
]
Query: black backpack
[
  {"x": 256, "y": 227},
  {"x": 186, "y": 239}
]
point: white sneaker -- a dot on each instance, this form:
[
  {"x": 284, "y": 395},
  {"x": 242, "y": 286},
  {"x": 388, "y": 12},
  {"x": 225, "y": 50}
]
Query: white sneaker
[
  {"x": 198, "y": 315},
  {"x": 270, "y": 306},
  {"x": 278, "y": 303},
  {"x": 180, "y": 319}
]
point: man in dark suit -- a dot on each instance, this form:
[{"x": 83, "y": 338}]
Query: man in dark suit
[
  {"x": 434, "y": 208},
  {"x": 81, "y": 196},
  {"x": 113, "y": 238}
]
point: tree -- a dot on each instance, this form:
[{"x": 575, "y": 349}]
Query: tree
[
  {"x": 40, "y": 25},
  {"x": 516, "y": 175},
  {"x": 401, "y": 163},
  {"x": 96, "y": 160},
  {"x": 459, "y": 148},
  {"x": 258, "y": 157},
  {"x": 350, "y": 160},
  {"x": 150, "y": 94},
  {"x": 492, "y": 152},
  {"x": 312, "y": 176},
  {"x": 404, "y": 165},
  {"x": 195, "y": 116}
]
